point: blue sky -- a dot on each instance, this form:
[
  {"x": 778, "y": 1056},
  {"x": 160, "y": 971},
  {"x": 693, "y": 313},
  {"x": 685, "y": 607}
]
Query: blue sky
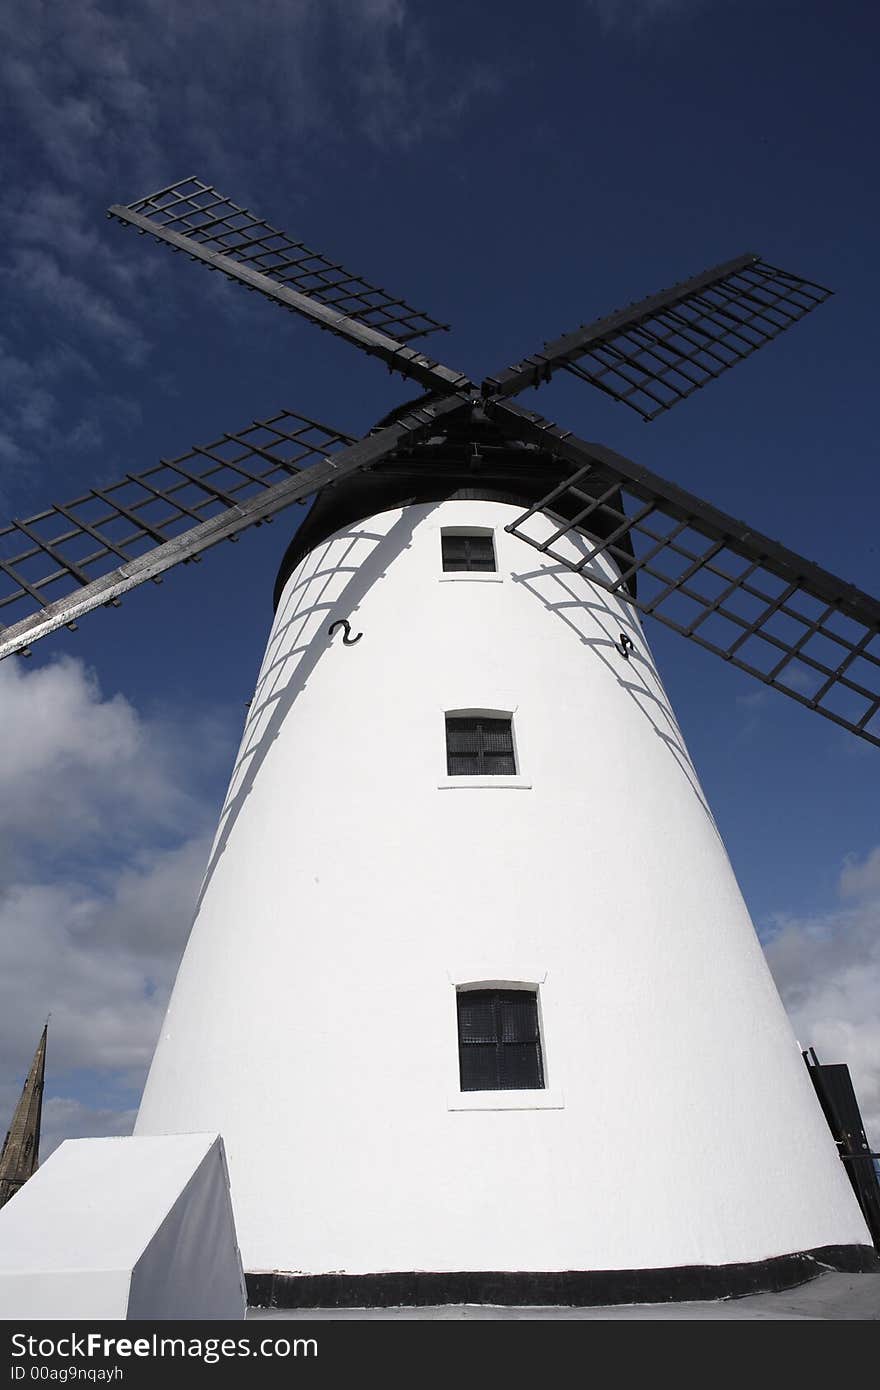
[{"x": 515, "y": 169}]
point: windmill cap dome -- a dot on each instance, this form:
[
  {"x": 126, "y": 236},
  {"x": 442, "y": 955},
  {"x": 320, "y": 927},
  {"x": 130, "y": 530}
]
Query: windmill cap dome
[{"x": 468, "y": 459}]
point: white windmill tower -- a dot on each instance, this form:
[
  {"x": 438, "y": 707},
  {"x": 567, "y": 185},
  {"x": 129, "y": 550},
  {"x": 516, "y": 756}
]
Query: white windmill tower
[{"x": 469, "y": 954}]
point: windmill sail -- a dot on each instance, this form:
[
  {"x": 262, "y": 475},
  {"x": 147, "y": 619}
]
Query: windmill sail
[
  {"x": 661, "y": 350},
  {"x": 63, "y": 563},
  {"x": 760, "y": 606},
  {"x": 197, "y": 211},
  {"x": 191, "y": 216}
]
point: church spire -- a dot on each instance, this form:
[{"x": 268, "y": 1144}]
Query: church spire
[{"x": 21, "y": 1147}]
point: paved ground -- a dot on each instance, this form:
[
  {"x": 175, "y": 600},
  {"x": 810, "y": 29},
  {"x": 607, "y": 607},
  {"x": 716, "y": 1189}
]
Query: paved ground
[{"x": 829, "y": 1297}]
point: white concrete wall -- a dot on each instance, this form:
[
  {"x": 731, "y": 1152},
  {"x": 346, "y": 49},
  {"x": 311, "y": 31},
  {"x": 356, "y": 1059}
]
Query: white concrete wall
[
  {"x": 352, "y": 886},
  {"x": 123, "y": 1228}
]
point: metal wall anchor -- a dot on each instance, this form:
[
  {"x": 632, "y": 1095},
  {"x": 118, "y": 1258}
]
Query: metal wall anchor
[
  {"x": 347, "y": 639},
  {"x": 625, "y": 646}
]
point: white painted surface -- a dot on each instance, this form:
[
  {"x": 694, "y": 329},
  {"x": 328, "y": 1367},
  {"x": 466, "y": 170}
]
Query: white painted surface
[
  {"x": 123, "y": 1228},
  {"x": 313, "y": 1018}
]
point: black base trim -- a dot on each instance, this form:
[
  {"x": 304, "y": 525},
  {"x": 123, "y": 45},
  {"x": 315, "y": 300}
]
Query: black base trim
[{"x": 572, "y": 1288}]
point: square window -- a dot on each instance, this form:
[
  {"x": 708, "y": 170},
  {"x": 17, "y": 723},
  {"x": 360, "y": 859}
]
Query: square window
[
  {"x": 472, "y": 552},
  {"x": 479, "y": 745},
  {"x": 499, "y": 1043}
]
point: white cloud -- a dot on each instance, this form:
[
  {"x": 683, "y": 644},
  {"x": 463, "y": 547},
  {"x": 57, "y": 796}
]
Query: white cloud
[
  {"x": 105, "y": 838},
  {"x": 634, "y": 16},
  {"x": 25, "y": 388},
  {"x": 70, "y": 1119},
  {"x": 100, "y": 958},
  {"x": 103, "y": 85},
  {"x": 76, "y": 765},
  {"x": 61, "y": 221},
  {"x": 106, "y": 102},
  {"x": 70, "y": 295},
  {"x": 827, "y": 969},
  {"x": 10, "y": 450},
  {"x": 33, "y": 404},
  {"x": 861, "y": 880}
]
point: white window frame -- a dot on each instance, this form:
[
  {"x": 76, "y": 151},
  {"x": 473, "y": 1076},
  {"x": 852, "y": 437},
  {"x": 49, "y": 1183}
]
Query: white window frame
[
  {"x": 509, "y": 780},
  {"x": 473, "y": 977},
  {"x": 469, "y": 576}
]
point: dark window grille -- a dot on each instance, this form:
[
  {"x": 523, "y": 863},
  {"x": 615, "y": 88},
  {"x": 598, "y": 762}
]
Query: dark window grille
[
  {"x": 479, "y": 746},
  {"x": 473, "y": 553},
  {"x": 499, "y": 1045}
]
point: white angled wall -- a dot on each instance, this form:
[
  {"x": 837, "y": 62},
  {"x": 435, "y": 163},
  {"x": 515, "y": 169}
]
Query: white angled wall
[{"x": 353, "y": 886}]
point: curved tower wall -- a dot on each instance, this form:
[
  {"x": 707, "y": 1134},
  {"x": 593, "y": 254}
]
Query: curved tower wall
[{"x": 353, "y": 887}]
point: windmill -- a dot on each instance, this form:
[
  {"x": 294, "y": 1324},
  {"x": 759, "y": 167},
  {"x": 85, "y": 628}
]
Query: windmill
[{"x": 471, "y": 991}]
